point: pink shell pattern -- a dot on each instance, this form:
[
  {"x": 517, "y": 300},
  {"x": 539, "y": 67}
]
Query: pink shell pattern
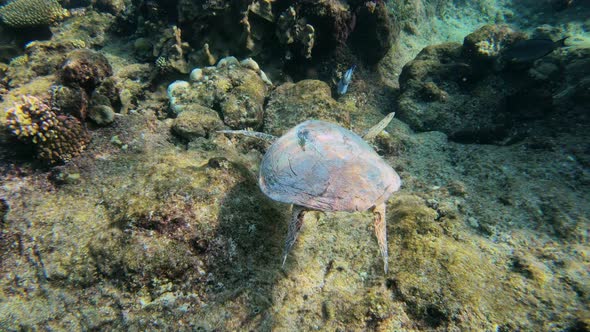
[{"x": 322, "y": 166}]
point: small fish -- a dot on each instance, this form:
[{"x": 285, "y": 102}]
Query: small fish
[
  {"x": 531, "y": 49},
  {"x": 345, "y": 81}
]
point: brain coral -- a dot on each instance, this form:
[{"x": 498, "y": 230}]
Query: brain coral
[
  {"x": 27, "y": 13},
  {"x": 57, "y": 138}
]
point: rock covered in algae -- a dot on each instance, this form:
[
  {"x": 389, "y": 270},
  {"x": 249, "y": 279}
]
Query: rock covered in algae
[
  {"x": 56, "y": 137},
  {"x": 43, "y": 57},
  {"x": 292, "y": 103},
  {"x": 236, "y": 89},
  {"x": 29, "y": 13},
  {"x": 199, "y": 121},
  {"x": 436, "y": 88},
  {"x": 85, "y": 68},
  {"x": 487, "y": 42},
  {"x": 468, "y": 92},
  {"x": 102, "y": 115},
  {"x": 442, "y": 90},
  {"x": 374, "y": 32},
  {"x": 70, "y": 100}
]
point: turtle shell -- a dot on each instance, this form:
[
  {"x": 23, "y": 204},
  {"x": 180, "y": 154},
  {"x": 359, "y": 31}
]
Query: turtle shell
[{"x": 322, "y": 166}]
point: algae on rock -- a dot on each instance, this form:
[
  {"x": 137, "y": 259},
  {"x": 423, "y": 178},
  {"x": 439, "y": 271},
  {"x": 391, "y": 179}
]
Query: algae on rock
[
  {"x": 237, "y": 91},
  {"x": 292, "y": 103}
]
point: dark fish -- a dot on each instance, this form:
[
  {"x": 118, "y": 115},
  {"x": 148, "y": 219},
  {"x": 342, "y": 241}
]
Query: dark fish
[{"x": 531, "y": 49}]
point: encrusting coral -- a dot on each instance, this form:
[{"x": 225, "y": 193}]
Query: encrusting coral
[
  {"x": 57, "y": 138},
  {"x": 28, "y": 13}
]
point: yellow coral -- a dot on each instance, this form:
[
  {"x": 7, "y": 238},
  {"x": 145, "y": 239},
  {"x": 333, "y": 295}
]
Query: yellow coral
[
  {"x": 489, "y": 47},
  {"x": 20, "y": 60},
  {"x": 78, "y": 43},
  {"x": 58, "y": 138},
  {"x": 27, "y": 13},
  {"x": 27, "y": 119}
]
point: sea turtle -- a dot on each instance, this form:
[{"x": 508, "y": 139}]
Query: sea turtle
[{"x": 319, "y": 165}]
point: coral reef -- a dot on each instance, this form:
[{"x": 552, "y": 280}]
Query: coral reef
[
  {"x": 236, "y": 90},
  {"x": 29, "y": 13},
  {"x": 160, "y": 225},
  {"x": 310, "y": 33},
  {"x": 295, "y": 34},
  {"x": 171, "y": 51},
  {"x": 70, "y": 100},
  {"x": 57, "y": 138},
  {"x": 85, "y": 68}
]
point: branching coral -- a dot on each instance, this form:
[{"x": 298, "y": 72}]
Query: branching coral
[
  {"x": 172, "y": 51},
  {"x": 57, "y": 138},
  {"x": 293, "y": 31},
  {"x": 27, "y": 13}
]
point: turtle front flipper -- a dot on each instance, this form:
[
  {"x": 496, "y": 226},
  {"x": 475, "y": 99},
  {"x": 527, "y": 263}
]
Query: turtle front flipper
[
  {"x": 256, "y": 134},
  {"x": 376, "y": 129},
  {"x": 294, "y": 226},
  {"x": 381, "y": 232}
]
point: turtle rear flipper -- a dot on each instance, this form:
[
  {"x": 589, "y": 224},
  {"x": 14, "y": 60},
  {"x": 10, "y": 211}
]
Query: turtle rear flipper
[
  {"x": 294, "y": 226},
  {"x": 381, "y": 232}
]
